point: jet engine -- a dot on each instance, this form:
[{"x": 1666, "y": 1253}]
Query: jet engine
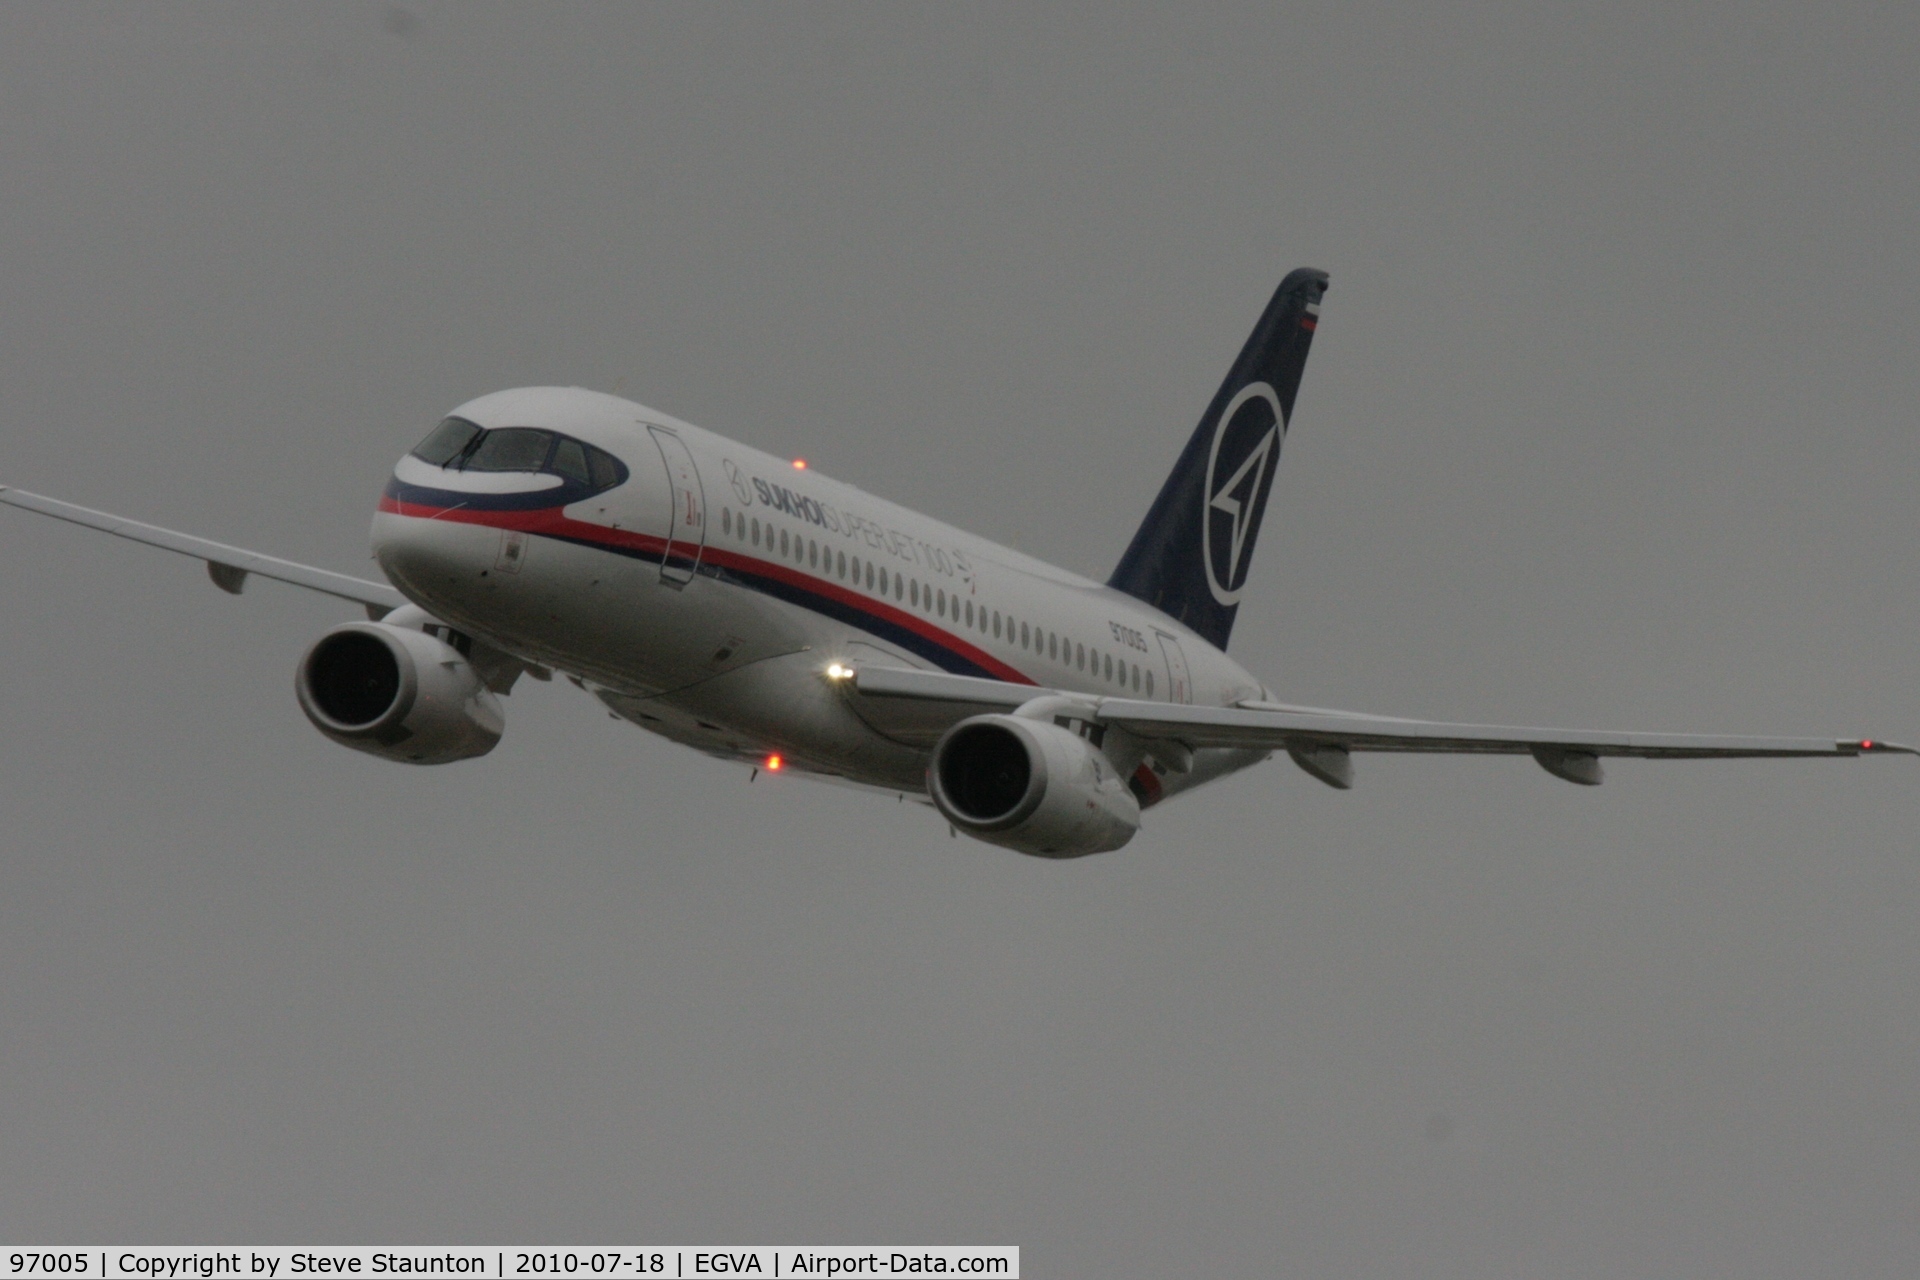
[
  {"x": 1031, "y": 785},
  {"x": 397, "y": 693}
]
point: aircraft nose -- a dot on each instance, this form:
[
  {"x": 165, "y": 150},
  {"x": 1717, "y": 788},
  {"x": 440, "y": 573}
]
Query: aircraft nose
[{"x": 424, "y": 552}]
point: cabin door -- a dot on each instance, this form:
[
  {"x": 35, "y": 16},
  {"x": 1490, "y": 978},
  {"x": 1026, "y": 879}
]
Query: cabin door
[{"x": 687, "y": 528}]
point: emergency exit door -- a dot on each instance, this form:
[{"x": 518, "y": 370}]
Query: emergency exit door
[
  {"x": 686, "y": 530},
  {"x": 1179, "y": 684}
]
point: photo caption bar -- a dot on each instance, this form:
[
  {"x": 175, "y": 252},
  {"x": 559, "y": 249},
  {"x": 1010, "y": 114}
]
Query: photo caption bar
[{"x": 494, "y": 1262}]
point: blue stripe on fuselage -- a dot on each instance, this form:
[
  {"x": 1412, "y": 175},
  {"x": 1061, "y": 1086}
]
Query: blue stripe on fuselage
[
  {"x": 569, "y": 491},
  {"x": 843, "y": 611}
]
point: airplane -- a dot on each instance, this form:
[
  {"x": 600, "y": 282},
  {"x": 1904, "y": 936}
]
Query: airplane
[{"x": 753, "y": 609}]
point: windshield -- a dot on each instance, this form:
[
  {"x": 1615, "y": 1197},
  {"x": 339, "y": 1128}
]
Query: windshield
[
  {"x": 511, "y": 449},
  {"x": 447, "y": 442},
  {"x": 461, "y": 445}
]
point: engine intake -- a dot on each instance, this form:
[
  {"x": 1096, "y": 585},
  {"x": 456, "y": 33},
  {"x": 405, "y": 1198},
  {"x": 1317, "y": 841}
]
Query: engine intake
[
  {"x": 1032, "y": 786},
  {"x": 397, "y": 693}
]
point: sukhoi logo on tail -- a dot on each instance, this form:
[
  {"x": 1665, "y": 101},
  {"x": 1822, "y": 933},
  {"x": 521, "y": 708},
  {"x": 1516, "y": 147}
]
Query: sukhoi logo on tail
[{"x": 1247, "y": 439}]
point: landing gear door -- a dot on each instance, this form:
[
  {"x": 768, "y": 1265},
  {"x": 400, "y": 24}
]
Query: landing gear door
[
  {"x": 1179, "y": 683},
  {"x": 687, "y": 529}
]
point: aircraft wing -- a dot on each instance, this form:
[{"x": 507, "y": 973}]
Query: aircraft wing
[
  {"x": 227, "y": 566},
  {"x": 915, "y": 707},
  {"x": 1320, "y": 739}
]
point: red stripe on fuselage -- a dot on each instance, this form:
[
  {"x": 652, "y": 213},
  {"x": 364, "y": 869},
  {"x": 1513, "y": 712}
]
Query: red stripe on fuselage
[
  {"x": 548, "y": 520},
  {"x": 553, "y": 522},
  {"x": 876, "y": 609}
]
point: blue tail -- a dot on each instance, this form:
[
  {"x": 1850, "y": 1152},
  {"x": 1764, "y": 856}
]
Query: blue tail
[{"x": 1190, "y": 557}]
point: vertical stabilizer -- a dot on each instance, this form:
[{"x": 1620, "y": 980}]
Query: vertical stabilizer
[{"x": 1190, "y": 556}]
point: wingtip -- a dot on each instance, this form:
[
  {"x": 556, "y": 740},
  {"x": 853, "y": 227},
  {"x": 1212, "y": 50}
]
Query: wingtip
[{"x": 1877, "y": 747}]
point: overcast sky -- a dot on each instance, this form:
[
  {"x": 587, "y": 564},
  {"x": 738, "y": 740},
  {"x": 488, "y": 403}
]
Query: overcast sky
[{"x": 1609, "y": 423}]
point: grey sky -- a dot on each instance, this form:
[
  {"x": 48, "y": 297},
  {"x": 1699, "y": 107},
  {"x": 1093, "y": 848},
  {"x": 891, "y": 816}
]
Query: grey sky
[{"x": 1610, "y": 423}]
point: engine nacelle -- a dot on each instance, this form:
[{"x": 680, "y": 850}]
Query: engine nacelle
[
  {"x": 397, "y": 693},
  {"x": 1032, "y": 786}
]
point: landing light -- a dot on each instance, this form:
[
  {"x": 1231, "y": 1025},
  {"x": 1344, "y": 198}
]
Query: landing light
[
  {"x": 799, "y": 464},
  {"x": 835, "y": 671}
]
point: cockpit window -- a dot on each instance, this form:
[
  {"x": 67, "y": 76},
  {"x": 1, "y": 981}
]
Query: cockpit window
[
  {"x": 570, "y": 460},
  {"x": 511, "y": 449},
  {"x": 460, "y": 445},
  {"x": 447, "y": 442},
  {"x": 606, "y": 469}
]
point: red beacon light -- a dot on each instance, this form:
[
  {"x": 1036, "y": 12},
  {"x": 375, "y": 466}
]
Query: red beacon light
[
  {"x": 799, "y": 464},
  {"x": 775, "y": 764}
]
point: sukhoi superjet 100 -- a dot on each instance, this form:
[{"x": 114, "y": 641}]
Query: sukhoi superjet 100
[{"x": 777, "y": 619}]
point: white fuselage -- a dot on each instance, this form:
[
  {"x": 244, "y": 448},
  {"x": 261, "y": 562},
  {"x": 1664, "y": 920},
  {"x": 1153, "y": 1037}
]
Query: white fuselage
[{"x": 705, "y": 596}]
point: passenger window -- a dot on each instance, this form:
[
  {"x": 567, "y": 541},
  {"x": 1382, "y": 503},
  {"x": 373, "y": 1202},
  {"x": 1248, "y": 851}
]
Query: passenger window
[
  {"x": 570, "y": 460},
  {"x": 1053, "y": 645},
  {"x": 840, "y": 559},
  {"x": 726, "y": 520},
  {"x": 899, "y": 587},
  {"x": 1134, "y": 679},
  {"x": 969, "y": 613},
  {"x": 869, "y": 575},
  {"x": 1108, "y": 661},
  {"x": 1080, "y": 656},
  {"x": 756, "y": 531},
  {"x": 446, "y": 442},
  {"x": 1149, "y": 684},
  {"x": 512, "y": 449},
  {"x": 926, "y": 599},
  {"x": 913, "y": 591},
  {"x": 813, "y": 553},
  {"x": 940, "y": 604},
  {"x": 1026, "y": 639},
  {"x": 883, "y": 581},
  {"x": 783, "y": 542},
  {"x": 996, "y": 624}
]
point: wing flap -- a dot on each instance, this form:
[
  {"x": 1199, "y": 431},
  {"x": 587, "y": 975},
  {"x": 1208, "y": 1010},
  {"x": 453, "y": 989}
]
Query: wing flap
[{"x": 227, "y": 566}]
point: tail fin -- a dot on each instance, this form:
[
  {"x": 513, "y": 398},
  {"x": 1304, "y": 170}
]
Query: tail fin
[{"x": 1190, "y": 557}]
